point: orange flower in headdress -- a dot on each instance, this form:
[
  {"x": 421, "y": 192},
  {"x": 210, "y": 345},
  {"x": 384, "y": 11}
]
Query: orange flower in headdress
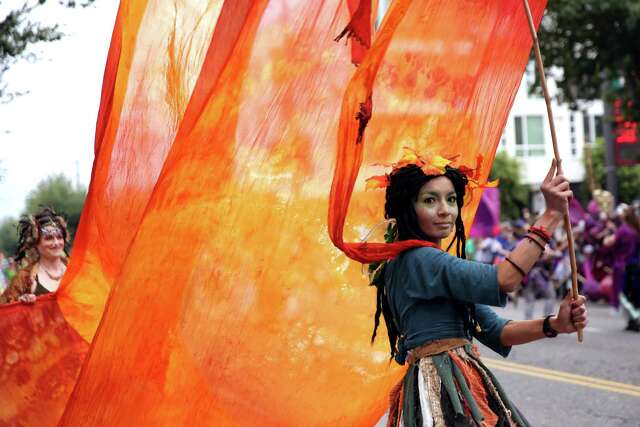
[
  {"x": 378, "y": 181},
  {"x": 432, "y": 165}
]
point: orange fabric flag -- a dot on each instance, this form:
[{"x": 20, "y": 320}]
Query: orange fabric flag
[
  {"x": 130, "y": 146},
  {"x": 440, "y": 80},
  {"x": 222, "y": 125},
  {"x": 359, "y": 29},
  {"x": 40, "y": 357}
]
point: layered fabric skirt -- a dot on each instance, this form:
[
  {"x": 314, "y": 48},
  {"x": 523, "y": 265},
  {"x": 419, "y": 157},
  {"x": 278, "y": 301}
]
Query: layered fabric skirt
[{"x": 453, "y": 389}]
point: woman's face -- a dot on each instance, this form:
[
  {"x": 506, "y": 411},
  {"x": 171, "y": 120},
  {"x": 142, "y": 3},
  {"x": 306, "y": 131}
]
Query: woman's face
[
  {"x": 51, "y": 243},
  {"x": 436, "y": 208}
]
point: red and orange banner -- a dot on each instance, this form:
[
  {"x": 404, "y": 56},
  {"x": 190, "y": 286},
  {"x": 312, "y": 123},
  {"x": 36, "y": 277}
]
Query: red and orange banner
[{"x": 204, "y": 273}]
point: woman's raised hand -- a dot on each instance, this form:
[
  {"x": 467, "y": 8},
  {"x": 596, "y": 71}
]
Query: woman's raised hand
[{"x": 556, "y": 190}]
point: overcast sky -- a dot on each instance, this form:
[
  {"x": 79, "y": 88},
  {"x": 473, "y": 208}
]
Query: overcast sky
[{"x": 50, "y": 129}]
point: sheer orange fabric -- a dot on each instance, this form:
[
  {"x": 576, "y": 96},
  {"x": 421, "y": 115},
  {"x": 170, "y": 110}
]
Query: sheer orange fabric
[
  {"x": 40, "y": 358},
  {"x": 444, "y": 86},
  {"x": 205, "y": 239}
]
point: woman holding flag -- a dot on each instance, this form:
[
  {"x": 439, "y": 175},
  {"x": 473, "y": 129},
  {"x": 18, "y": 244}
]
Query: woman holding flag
[{"x": 434, "y": 304}]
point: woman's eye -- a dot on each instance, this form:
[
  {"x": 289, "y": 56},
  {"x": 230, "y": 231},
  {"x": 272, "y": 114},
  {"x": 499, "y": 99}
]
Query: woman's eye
[
  {"x": 430, "y": 200},
  {"x": 452, "y": 199}
]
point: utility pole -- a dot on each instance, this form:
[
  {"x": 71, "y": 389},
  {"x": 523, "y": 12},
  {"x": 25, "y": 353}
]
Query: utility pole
[{"x": 610, "y": 150}]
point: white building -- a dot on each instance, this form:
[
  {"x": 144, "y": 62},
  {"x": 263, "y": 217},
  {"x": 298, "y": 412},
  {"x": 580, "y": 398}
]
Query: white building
[{"x": 527, "y": 135}]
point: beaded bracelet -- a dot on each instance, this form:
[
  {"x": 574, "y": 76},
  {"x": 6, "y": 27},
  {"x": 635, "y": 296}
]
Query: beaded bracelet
[{"x": 541, "y": 232}]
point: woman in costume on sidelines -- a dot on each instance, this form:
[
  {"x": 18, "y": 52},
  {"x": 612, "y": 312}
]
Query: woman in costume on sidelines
[
  {"x": 41, "y": 255},
  {"x": 434, "y": 303},
  {"x": 622, "y": 246}
]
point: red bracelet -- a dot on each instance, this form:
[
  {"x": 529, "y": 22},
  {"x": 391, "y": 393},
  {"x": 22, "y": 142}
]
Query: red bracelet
[
  {"x": 540, "y": 235},
  {"x": 542, "y": 232}
]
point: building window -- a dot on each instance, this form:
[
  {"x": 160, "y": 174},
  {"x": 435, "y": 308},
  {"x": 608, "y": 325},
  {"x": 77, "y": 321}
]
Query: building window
[
  {"x": 572, "y": 130},
  {"x": 529, "y": 136},
  {"x": 519, "y": 138},
  {"x": 598, "y": 122}
]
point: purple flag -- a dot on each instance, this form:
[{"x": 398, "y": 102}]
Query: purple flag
[
  {"x": 488, "y": 214},
  {"x": 576, "y": 211}
]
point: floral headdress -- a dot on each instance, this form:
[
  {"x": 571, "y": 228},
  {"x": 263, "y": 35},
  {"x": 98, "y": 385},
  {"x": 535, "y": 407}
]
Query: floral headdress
[{"x": 433, "y": 165}]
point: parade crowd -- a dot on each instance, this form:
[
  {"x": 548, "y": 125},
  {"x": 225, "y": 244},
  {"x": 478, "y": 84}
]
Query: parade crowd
[{"x": 607, "y": 247}]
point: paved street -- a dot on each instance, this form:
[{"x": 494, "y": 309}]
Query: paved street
[
  {"x": 561, "y": 383},
  {"x": 552, "y": 399}
]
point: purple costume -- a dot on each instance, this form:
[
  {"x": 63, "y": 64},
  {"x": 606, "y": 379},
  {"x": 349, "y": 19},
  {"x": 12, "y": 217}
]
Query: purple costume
[{"x": 622, "y": 251}]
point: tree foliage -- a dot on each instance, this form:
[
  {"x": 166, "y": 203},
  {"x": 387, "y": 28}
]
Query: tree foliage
[
  {"x": 597, "y": 45},
  {"x": 18, "y": 32},
  {"x": 58, "y": 192},
  {"x": 9, "y": 236},
  {"x": 628, "y": 176},
  {"x": 514, "y": 195}
]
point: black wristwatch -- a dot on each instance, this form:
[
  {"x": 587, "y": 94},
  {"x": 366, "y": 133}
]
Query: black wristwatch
[{"x": 547, "y": 330}]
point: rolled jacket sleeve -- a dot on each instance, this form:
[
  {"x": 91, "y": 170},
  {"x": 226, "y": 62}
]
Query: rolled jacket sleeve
[
  {"x": 491, "y": 325},
  {"x": 441, "y": 275}
]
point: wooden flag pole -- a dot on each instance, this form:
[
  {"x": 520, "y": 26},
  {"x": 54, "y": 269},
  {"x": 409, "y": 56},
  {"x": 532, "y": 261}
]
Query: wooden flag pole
[{"x": 556, "y": 153}]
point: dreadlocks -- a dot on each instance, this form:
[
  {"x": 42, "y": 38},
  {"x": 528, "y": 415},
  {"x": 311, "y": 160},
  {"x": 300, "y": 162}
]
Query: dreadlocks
[{"x": 30, "y": 229}]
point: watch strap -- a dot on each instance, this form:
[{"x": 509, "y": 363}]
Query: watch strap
[{"x": 547, "y": 330}]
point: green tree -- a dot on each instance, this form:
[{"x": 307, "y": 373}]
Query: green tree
[
  {"x": 596, "y": 43},
  {"x": 514, "y": 195},
  {"x": 17, "y": 33},
  {"x": 628, "y": 176},
  {"x": 8, "y": 236},
  {"x": 58, "y": 192}
]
